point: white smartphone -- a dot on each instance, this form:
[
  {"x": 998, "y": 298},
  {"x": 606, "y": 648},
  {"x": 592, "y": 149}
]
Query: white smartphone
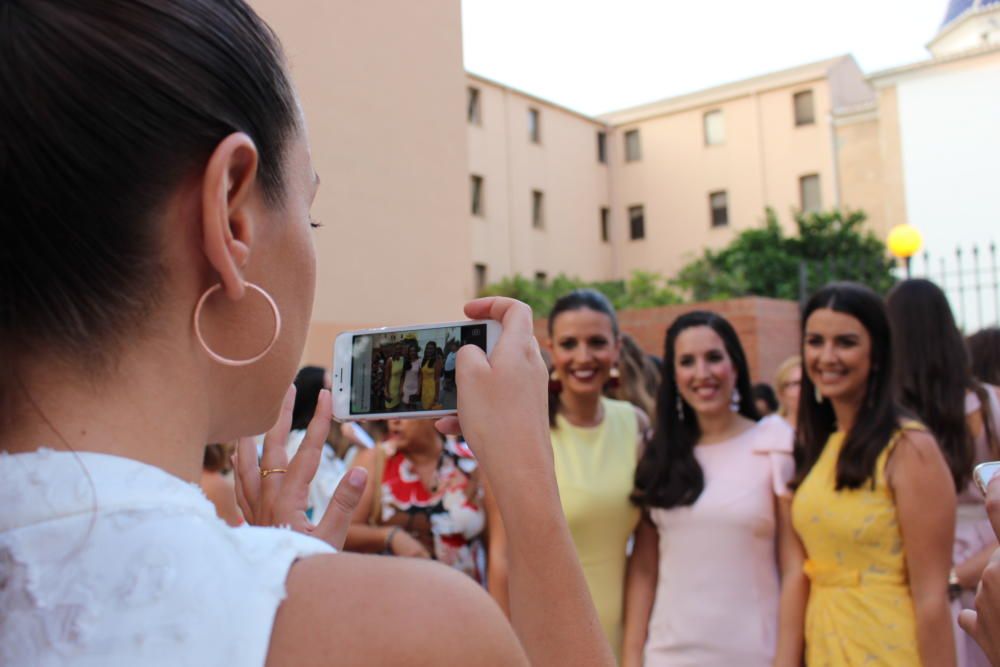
[
  {"x": 403, "y": 372},
  {"x": 984, "y": 472}
]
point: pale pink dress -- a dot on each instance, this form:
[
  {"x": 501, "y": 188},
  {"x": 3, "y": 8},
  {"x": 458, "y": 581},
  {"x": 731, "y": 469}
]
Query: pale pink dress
[
  {"x": 973, "y": 532},
  {"x": 718, "y": 586}
]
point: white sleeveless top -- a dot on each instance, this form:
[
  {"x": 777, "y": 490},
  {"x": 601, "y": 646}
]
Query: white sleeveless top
[{"x": 142, "y": 572}]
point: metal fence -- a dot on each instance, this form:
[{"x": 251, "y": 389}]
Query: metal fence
[{"x": 970, "y": 277}]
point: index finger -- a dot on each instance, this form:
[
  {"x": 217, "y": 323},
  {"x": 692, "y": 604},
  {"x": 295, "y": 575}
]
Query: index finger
[{"x": 513, "y": 314}]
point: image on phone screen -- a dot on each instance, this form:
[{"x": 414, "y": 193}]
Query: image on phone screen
[{"x": 408, "y": 371}]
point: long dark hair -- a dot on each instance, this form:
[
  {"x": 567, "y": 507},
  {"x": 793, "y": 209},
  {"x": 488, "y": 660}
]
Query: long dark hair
[
  {"x": 984, "y": 349},
  {"x": 668, "y": 475},
  {"x": 580, "y": 299},
  {"x": 309, "y": 382},
  {"x": 932, "y": 369},
  {"x": 878, "y": 416},
  {"x": 95, "y": 135}
]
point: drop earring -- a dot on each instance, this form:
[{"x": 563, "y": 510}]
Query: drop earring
[
  {"x": 734, "y": 405},
  {"x": 680, "y": 408},
  {"x": 555, "y": 384},
  {"x": 818, "y": 396}
]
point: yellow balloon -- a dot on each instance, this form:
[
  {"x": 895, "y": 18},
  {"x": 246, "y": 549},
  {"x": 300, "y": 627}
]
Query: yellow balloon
[{"x": 904, "y": 241}]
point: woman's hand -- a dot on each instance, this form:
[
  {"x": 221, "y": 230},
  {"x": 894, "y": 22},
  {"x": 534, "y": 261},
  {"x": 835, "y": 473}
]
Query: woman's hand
[
  {"x": 276, "y": 493},
  {"x": 405, "y": 545},
  {"x": 983, "y": 623},
  {"x": 503, "y": 401}
]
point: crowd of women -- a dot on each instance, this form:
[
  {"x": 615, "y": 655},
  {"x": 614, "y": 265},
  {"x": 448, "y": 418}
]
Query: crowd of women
[
  {"x": 404, "y": 378},
  {"x": 157, "y": 170}
]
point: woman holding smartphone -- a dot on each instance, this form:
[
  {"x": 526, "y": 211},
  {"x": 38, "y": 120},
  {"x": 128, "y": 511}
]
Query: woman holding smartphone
[
  {"x": 156, "y": 170},
  {"x": 704, "y": 579},
  {"x": 934, "y": 382},
  {"x": 875, "y": 504}
]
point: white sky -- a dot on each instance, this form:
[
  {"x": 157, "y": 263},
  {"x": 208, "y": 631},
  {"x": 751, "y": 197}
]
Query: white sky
[{"x": 601, "y": 55}]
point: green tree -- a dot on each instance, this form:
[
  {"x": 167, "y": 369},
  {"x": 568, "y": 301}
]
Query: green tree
[
  {"x": 642, "y": 290},
  {"x": 832, "y": 245}
]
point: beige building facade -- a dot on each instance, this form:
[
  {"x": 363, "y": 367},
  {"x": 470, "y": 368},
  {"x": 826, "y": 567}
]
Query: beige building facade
[{"x": 381, "y": 85}]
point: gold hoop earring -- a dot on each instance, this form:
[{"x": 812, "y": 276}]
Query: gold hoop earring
[{"x": 225, "y": 361}]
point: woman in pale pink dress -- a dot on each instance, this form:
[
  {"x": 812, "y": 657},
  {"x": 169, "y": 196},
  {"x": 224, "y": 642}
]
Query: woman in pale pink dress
[{"x": 703, "y": 584}]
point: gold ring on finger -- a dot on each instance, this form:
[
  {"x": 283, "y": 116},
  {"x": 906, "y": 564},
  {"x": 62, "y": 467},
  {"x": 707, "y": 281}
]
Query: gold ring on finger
[{"x": 267, "y": 471}]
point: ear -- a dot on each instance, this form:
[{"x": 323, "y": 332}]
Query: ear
[{"x": 226, "y": 212}]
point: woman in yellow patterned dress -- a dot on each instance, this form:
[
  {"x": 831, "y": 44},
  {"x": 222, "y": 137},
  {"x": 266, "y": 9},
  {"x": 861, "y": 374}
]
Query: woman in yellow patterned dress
[{"x": 875, "y": 506}]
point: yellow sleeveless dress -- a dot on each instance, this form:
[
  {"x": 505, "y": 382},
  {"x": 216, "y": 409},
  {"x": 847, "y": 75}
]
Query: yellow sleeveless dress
[
  {"x": 860, "y": 611},
  {"x": 595, "y": 471}
]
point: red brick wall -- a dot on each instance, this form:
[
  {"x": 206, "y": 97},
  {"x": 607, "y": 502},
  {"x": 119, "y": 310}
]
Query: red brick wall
[{"x": 768, "y": 329}]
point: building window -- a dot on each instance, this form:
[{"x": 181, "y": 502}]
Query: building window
[
  {"x": 719, "y": 203},
  {"x": 602, "y": 147},
  {"x": 472, "y": 111},
  {"x": 541, "y": 277},
  {"x": 605, "y": 224},
  {"x": 632, "y": 152},
  {"x": 535, "y": 126},
  {"x": 537, "y": 209},
  {"x": 809, "y": 194},
  {"x": 805, "y": 113},
  {"x": 476, "y": 184},
  {"x": 480, "y": 270},
  {"x": 715, "y": 128},
  {"x": 636, "y": 223}
]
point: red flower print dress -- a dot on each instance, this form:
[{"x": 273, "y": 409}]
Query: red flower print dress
[{"x": 449, "y": 520}]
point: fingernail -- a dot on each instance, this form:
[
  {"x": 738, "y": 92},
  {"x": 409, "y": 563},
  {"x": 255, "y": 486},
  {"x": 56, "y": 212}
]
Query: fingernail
[{"x": 357, "y": 477}]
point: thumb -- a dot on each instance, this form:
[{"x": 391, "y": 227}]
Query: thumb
[
  {"x": 332, "y": 528},
  {"x": 470, "y": 362},
  {"x": 968, "y": 620}
]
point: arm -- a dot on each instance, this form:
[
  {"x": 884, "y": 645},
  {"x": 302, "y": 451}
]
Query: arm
[
  {"x": 223, "y": 496},
  {"x": 496, "y": 560},
  {"x": 640, "y": 591},
  {"x": 926, "y": 505},
  {"x": 502, "y": 409},
  {"x": 794, "y": 588},
  {"x": 983, "y": 623},
  {"x": 339, "y": 609}
]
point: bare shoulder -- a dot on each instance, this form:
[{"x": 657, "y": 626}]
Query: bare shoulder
[
  {"x": 917, "y": 457},
  {"x": 355, "y": 609}
]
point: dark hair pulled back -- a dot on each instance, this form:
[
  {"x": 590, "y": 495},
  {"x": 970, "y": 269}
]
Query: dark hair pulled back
[
  {"x": 580, "y": 299},
  {"x": 106, "y": 108},
  {"x": 878, "y": 416},
  {"x": 668, "y": 474}
]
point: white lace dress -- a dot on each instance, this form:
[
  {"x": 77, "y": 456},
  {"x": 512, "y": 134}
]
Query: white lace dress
[{"x": 107, "y": 561}]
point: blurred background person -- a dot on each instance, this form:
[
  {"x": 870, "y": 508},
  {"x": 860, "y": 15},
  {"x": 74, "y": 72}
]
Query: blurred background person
[
  {"x": 984, "y": 348},
  {"x": 430, "y": 376},
  {"x": 638, "y": 377},
  {"x": 875, "y": 505},
  {"x": 934, "y": 381},
  {"x": 703, "y": 580},
  {"x": 218, "y": 484},
  {"x": 378, "y": 379},
  {"x": 595, "y": 443},
  {"x": 788, "y": 380},
  {"x": 449, "y": 397},
  {"x": 764, "y": 399},
  {"x": 411, "y": 377},
  {"x": 425, "y": 499}
]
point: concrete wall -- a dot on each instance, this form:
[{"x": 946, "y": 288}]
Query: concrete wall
[
  {"x": 768, "y": 329},
  {"x": 860, "y": 168},
  {"x": 382, "y": 86},
  {"x": 563, "y": 166}
]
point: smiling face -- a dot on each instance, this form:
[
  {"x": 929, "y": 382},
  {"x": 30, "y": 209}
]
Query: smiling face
[
  {"x": 837, "y": 355},
  {"x": 704, "y": 371},
  {"x": 584, "y": 349},
  {"x": 407, "y": 433}
]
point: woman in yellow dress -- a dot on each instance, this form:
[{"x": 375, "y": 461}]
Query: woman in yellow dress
[
  {"x": 430, "y": 376},
  {"x": 394, "y": 367},
  {"x": 875, "y": 504}
]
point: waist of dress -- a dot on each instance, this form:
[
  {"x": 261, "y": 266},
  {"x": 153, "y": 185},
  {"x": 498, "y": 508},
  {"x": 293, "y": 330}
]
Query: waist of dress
[{"x": 827, "y": 575}]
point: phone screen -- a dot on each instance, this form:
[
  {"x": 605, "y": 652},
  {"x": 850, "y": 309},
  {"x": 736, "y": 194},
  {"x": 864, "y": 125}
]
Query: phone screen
[{"x": 409, "y": 371}]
